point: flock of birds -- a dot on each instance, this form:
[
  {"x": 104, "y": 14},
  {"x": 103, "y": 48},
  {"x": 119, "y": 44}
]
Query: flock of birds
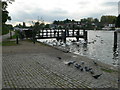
[
  {"x": 82, "y": 67},
  {"x": 71, "y": 41},
  {"x": 78, "y": 47}
]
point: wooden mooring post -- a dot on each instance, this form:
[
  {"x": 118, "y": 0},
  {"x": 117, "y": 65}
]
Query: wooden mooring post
[
  {"x": 64, "y": 36},
  {"x": 115, "y": 41},
  {"x": 58, "y": 36},
  {"x": 85, "y": 35},
  {"x": 17, "y": 39},
  {"x": 77, "y": 37}
]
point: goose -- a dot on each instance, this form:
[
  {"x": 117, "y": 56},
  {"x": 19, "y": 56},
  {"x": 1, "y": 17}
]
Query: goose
[
  {"x": 95, "y": 63},
  {"x": 77, "y": 66},
  {"x": 82, "y": 62},
  {"x": 59, "y": 57},
  {"x": 92, "y": 72},
  {"x": 71, "y": 62},
  {"x": 97, "y": 76},
  {"x": 87, "y": 68},
  {"x": 81, "y": 69}
]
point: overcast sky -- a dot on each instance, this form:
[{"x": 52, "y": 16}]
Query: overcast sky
[{"x": 50, "y": 10}]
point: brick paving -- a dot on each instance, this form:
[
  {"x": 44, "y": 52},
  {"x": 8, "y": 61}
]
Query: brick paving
[{"x": 37, "y": 66}]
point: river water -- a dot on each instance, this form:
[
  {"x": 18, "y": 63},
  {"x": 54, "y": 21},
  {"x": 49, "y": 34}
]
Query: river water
[{"x": 99, "y": 46}]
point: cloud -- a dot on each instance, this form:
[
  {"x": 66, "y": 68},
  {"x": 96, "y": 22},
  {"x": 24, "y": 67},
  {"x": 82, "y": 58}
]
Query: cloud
[
  {"x": 50, "y": 10},
  {"x": 48, "y": 16},
  {"x": 110, "y": 4}
]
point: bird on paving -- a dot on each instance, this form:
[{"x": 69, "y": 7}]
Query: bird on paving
[
  {"x": 97, "y": 76},
  {"x": 95, "y": 63},
  {"x": 77, "y": 66},
  {"x": 87, "y": 68},
  {"x": 81, "y": 69},
  {"x": 71, "y": 62},
  {"x": 59, "y": 57},
  {"x": 92, "y": 72},
  {"x": 82, "y": 62}
]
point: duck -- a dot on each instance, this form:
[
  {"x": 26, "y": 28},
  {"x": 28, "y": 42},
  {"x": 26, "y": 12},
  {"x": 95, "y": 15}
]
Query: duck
[
  {"x": 71, "y": 62},
  {"x": 77, "y": 66},
  {"x": 97, "y": 76}
]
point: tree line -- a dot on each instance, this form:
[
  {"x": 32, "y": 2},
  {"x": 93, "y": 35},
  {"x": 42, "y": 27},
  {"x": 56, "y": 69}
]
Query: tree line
[{"x": 87, "y": 23}]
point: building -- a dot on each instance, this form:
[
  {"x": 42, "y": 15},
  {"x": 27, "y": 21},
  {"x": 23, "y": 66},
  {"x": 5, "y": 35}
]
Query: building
[{"x": 118, "y": 7}]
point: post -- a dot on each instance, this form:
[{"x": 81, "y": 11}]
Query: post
[
  {"x": 17, "y": 39},
  {"x": 85, "y": 35},
  {"x": 64, "y": 36},
  {"x": 73, "y": 31},
  {"x": 46, "y": 33},
  {"x": 39, "y": 33},
  {"x": 33, "y": 36},
  {"x": 54, "y": 32},
  {"x": 58, "y": 36},
  {"x": 50, "y": 33},
  {"x": 42, "y": 32},
  {"x": 77, "y": 37},
  {"x": 115, "y": 41},
  {"x": 10, "y": 34}
]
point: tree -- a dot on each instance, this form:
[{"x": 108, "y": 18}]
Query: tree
[
  {"x": 24, "y": 25},
  {"x": 5, "y": 13},
  {"x": 47, "y": 26},
  {"x": 108, "y": 20},
  {"x": 19, "y": 26},
  {"x": 37, "y": 26},
  {"x": 5, "y": 16},
  {"x": 118, "y": 21}
]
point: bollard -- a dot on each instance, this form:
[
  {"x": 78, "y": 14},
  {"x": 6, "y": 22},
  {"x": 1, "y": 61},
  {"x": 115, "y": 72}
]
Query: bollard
[
  {"x": 64, "y": 36},
  {"x": 115, "y": 41},
  {"x": 78, "y": 34},
  {"x": 58, "y": 38},
  {"x": 17, "y": 40},
  {"x": 85, "y": 35}
]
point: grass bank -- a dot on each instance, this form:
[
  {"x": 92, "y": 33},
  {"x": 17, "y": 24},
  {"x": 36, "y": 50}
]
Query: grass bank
[{"x": 8, "y": 43}]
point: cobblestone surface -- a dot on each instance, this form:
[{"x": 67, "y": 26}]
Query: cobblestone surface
[{"x": 37, "y": 66}]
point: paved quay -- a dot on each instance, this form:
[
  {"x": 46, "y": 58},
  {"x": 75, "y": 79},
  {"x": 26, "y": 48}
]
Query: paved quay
[{"x": 37, "y": 65}]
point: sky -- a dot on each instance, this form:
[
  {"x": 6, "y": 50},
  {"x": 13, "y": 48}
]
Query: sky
[{"x": 50, "y": 10}]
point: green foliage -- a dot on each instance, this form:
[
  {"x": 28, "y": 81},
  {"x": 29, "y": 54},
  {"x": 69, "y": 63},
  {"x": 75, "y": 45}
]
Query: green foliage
[
  {"x": 86, "y": 23},
  {"x": 19, "y": 26},
  {"x": 13, "y": 37},
  {"x": 90, "y": 23},
  {"x": 5, "y": 17},
  {"x": 108, "y": 19},
  {"x": 8, "y": 43},
  {"x": 47, "y": 26},
  {"x": 6, "y": 28},
  {"x": 5, "y": 13},
  {"x": 118, "y": 21},
  {"x": 108, "y": 70}
]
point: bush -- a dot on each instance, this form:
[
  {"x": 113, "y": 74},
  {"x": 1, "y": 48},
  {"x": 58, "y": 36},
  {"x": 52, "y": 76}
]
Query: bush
[{"x": 5, "y": 29}]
